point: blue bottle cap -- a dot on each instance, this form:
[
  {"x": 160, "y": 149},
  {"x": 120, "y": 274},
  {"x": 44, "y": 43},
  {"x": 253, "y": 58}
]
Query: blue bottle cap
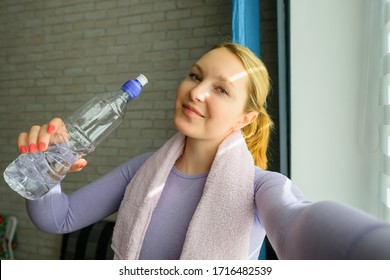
[{"x": 133, "y": 87}]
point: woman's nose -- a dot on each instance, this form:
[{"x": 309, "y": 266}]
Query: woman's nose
[{"x": 200, "y": 93}]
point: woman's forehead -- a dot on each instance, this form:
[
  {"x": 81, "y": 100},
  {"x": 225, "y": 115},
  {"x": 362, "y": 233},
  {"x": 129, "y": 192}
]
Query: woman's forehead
[{"x": 224, "y": 64}]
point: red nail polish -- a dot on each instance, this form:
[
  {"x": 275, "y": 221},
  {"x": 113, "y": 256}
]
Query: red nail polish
[
  {"x": 50, "y": 128},
  {"x": 32, "y": 148},
  {"x": 23, "y": 149},
  {"x": 41, "y": 146}
]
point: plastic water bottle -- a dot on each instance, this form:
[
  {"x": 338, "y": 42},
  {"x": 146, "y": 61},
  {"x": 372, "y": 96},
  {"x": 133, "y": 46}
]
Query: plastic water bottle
[{"x": 33, "y": 174}]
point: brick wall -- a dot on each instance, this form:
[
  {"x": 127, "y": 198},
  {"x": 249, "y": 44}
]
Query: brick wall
[{"x": 55, "y": 54}]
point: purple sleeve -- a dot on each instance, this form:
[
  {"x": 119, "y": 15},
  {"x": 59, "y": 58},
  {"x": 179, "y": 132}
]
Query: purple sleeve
[
  {"x": 299, "y": 229},
  {"x": 57, "y": 212}
]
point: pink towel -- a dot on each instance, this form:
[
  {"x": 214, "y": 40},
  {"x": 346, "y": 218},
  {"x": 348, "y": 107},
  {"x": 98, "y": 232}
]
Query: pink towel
[{"x": 221, "y": 225}]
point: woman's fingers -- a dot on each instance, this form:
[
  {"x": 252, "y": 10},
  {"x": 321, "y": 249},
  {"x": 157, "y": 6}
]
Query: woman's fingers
[
  {"x": 33, "y": 138},
  {"x": 23, "y": 142},
  {"x": 43, "y": 139},
  {"x": 40, "y": 137},
  {"x": 56, "y": 125},
  {"x": 78, "y": 165},
  {"x": 56, "y": 128}
]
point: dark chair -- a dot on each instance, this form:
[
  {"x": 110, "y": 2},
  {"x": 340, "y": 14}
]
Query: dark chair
[{"x": 89, "y": 243}]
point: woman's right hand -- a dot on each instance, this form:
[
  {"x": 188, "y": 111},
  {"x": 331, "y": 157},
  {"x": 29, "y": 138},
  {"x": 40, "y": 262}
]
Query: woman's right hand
[{"x": 38, "y": 139}]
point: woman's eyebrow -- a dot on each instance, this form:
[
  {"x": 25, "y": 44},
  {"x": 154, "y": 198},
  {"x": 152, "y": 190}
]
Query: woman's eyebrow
[
  {"x": 220, "y": 77},
  {"x": 197, "y": 67}
]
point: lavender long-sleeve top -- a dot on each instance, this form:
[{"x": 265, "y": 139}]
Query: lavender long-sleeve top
[{"x": 296, "y": 228}]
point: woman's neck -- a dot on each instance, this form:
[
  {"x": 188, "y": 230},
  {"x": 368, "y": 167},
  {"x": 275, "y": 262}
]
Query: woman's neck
[{"x": 197, "y": 157}]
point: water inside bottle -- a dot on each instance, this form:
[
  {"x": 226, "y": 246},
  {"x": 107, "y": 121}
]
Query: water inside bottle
[{"x": 34, "y": 174}]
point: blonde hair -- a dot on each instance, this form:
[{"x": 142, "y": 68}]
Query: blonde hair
[{"x": 257, "y": 133}]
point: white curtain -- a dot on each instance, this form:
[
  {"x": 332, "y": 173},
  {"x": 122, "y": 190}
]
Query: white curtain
[
  {"x": 383, "y": 13},
  {"x": 375, "y": 136}
]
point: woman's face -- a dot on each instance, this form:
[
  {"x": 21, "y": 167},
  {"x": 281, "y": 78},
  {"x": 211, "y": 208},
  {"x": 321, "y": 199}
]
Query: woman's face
[{"x": 211, "y": 99}]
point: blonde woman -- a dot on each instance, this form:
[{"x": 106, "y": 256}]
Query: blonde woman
[{"x": 206, "y": 194}]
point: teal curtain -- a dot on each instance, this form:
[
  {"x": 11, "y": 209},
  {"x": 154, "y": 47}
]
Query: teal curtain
[
  {"x": 246, "y": 31},
  {"x": 246, "y": 24}
]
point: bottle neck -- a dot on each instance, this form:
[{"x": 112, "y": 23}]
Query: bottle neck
[{"x": 124, "y": 96}]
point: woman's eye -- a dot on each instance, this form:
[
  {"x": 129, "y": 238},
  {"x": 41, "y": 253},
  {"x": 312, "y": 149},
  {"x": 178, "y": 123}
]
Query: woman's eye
[
  {"x": 221, "y": 90},
  {"x": 194, "y": 77}
]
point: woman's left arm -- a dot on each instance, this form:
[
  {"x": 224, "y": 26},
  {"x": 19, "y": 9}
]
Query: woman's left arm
[{"x": 299, "y": 229}]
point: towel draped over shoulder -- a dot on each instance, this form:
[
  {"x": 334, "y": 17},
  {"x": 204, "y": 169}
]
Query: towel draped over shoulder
[{"x": 220, "y": 227}]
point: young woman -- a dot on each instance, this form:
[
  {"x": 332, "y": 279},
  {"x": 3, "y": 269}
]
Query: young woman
[{"x": 205, "y": 193}]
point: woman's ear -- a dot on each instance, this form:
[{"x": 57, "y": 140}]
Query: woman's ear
[{"x": 246, "y": 119}]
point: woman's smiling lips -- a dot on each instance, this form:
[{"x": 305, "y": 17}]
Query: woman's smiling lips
[{"x": 191, "y": 111}]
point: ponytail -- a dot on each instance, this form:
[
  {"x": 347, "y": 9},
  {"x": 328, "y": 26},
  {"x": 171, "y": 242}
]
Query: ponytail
[{"x": 257, "y": 135}]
